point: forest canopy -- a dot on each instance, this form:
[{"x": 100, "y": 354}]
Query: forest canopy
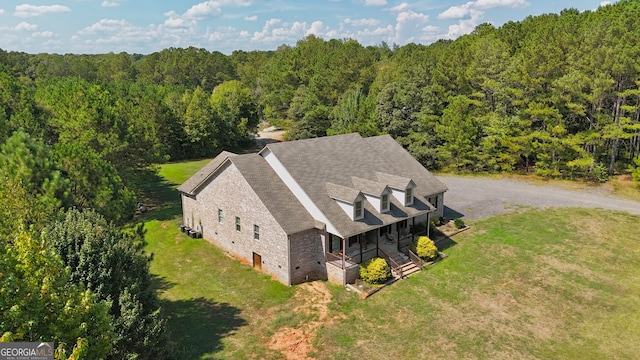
[{"x": 556, "y": 94}]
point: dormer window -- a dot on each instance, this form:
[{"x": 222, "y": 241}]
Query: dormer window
[
  {"x": 408, "y": 196},
  {"x": 358, "y": 211},
  {"x": 384, "y": 203}
]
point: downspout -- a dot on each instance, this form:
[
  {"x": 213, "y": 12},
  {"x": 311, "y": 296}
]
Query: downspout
[{"x": 289, "y": 258}]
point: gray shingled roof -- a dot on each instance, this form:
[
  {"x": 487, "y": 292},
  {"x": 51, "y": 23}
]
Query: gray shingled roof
[
  {"x": 393, "y": 181},
  {"x": 367, "y": 186},
  {"x": 275, "y": 195},
  {"x": 339, "y": 192},
  {"x": 337, "y": 159},
  {"x": 329, "y": 168},
  {"x": 406, "y": 165},
  {"x": 198, "y": 179}
]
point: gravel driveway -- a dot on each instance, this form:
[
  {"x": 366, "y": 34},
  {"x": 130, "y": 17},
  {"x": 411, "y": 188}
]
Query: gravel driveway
[{"x": 478, "y": 198}]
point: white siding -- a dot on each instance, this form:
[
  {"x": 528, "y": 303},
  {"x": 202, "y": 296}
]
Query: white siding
[
  {"x": 297, "y": 191},
  {"x": 398, "y": 194},
  {"x": 348, "y": 208},
  {"x": 374, "y": 201}
]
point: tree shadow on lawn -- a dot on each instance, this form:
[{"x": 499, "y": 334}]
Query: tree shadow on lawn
[
  {"x": 197, "y": 326},
  {"x": 159, "y": 195}
]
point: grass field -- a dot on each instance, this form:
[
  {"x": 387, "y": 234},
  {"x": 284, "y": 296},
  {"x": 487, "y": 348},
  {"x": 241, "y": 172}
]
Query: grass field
[{"x": 537, "y": 284}]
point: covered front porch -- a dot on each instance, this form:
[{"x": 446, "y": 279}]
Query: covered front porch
[{"x": 344, "y": 255}]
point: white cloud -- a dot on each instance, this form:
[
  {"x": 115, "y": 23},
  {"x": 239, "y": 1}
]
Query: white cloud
[
  {"x": 1, "y": 11},
  {"x": 408, "y": 24},
  {"x": 465, "y": 26},
  {"x": 25, "y": 26},
  {"x": 176, "y": 21},
  {"x": 223, "y": 33},
  {"x": 463, "y": 11},
  {"x": 400, "y": 7},
  {"x": 44, "y": 34},
  {"x": 362, "y": 22},
  {"x": 490, "y": 4},
  {"x": 211, "y": 8},
  {"x": 375, "y": 2},
  {"x": 603, "y": 3},
  {"x": 315, "y": 29},
  {"x": 286, "y": 32},
  {"x": 107, "y": 3},
  {"x": 251, "y": 18},
  {"x": 456, "y": 12},
  {"x": 27, "y": 10},
  {"x": 105, "y": 26}
]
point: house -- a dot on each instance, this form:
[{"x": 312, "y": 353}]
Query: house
[{"x": 314, "y": 208}]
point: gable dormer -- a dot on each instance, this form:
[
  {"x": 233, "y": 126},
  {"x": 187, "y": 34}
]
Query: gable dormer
[
  {"x": 350, "y": 200},
  {"x": 401, "y": 187},
  {"x": 376, "y": 193}
]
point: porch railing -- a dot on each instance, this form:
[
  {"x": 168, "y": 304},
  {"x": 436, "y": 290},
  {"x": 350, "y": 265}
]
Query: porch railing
[
  {"x": 338, "y": 257},
  {"x": 416, "y": 259},
  {"x": 394, "y": 265}
]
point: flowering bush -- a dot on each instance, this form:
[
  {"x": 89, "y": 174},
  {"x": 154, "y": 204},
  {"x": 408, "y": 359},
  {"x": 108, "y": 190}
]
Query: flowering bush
[
  {"x": 375, "y": 271},
  {"x": 424, "y": 248}
]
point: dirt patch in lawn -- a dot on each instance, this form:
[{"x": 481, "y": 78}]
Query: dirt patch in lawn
[{"x": 296, "y": 343}]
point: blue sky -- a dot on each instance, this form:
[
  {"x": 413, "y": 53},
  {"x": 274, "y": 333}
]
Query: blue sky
[{"x": 145, "y": 26}]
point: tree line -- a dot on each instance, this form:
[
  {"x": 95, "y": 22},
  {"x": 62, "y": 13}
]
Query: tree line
[{"x": 557, "y": 95}]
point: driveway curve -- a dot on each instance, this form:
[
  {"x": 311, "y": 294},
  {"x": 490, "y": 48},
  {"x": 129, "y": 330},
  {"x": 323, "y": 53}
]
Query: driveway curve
[{"x": 478, "y": 198}]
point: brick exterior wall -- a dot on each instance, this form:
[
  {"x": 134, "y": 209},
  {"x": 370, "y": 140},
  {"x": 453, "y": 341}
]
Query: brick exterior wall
[
  {"x": 229, "y": 192},
  {"x": 307, "y": 256}
]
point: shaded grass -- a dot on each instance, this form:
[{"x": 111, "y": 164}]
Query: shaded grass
[{"x": 559, "y": 283}]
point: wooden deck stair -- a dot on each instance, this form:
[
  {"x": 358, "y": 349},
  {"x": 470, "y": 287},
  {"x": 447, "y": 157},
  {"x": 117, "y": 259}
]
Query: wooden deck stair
[{"x": 407, "y": 267}]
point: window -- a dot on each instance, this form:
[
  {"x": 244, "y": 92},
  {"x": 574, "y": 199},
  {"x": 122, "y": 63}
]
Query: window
[
  {"x": 384, "y": 203},
  {"x": 220, "y": 215},
  {"x": 335, "y": 243},
  {"x": 353, "y": 240},
  {"x": 434, "y": 201},
  {"x": 237, "y": 223},
  {"x": 256, "y": 232},
  {"x": 408, "y": 196},
  {"x": 357, "y": 210}
]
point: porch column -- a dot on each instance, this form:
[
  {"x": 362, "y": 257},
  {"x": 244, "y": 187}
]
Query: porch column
[
  {"x": 397, "y": 237},
  {"x": 428, "y": 223},
  {"x": 359, "y": 237},
  {"x": 377, "y": 241},
  {"x": 344, "y": 249}
]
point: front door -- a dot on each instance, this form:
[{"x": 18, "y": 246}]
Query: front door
[{"x": 257, "y": 261}]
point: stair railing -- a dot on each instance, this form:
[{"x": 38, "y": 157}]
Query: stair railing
[{"x": 394, "y": 265}]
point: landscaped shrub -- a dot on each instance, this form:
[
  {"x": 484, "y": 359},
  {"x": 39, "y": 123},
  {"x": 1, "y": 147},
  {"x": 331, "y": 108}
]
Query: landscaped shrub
[
  {"x": 424, "y": 248},
  {"x": 459, "y": 223},
  {"x": 375, "y": 271}
]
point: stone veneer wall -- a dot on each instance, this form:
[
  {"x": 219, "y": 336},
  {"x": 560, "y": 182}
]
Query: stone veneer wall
[{"x": 229, "y": 192}]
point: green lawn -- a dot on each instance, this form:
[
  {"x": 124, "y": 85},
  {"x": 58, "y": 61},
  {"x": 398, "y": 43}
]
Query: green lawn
[{"x": 536, "y": 284}]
